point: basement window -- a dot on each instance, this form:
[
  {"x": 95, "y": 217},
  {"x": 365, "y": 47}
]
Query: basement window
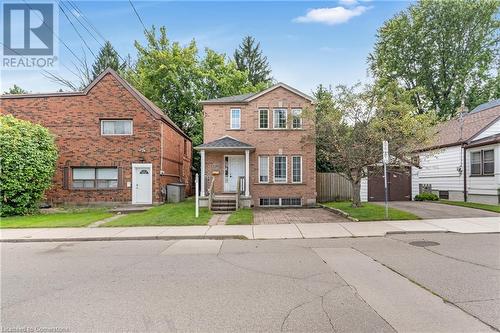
[{"x": 280, "y": 202}]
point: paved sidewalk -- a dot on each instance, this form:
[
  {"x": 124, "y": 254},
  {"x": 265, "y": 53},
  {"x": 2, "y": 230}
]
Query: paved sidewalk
[{"x": 269, "y": 231}]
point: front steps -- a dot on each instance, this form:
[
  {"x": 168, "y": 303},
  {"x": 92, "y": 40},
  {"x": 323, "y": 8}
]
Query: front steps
[{"x": 223, "y": 204}]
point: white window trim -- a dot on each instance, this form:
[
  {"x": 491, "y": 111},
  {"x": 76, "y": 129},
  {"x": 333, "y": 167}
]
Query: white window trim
[
  {"x": 300, "y": 118},
  {"x": 259, "y": 171},
  {"x": 286, "y": 169},
  {"x": 231, "y": 124},
  {"x": 299, "y": 156},
  {"x": 267, "y": 116},
  {"x": 286, "y": 118},
  {"x": 131, "y": 127}
]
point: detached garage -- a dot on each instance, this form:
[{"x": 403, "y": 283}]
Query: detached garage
[{"x": 398, "y": 184}]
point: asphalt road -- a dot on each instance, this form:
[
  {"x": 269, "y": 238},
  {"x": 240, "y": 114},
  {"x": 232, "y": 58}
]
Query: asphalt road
[{"x": 375, "y": 284}]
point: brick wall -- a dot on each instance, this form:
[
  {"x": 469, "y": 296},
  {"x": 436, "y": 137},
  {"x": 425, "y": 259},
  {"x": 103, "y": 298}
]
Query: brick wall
[
  {"x": 75, "y": 121},
  {"x": 271, "y": 142}
]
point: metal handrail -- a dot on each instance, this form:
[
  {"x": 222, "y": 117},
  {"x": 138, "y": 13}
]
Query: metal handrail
[
  {"x": 211, "y": 194},
  {"x": 238, "y": 189}
]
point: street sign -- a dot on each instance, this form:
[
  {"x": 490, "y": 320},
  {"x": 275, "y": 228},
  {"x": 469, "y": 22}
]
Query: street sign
[
  {"x": 385, "y": 150},
  {"x": 385, "y": 158}
]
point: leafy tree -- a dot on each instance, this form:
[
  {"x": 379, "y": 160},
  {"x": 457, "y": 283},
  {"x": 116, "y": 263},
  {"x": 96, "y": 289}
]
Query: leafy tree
[
  {"x": 28, "y": 156},
  {"x": 107, "y": 57},
  {"x": 249, "y": 57},
  {"x": 352, "y": 122},
  {"x": 443, "y": 51},
  {"x": 16, "y": 90}
]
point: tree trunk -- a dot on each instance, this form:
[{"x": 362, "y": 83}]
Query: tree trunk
[{"x": 356, "y": 193}]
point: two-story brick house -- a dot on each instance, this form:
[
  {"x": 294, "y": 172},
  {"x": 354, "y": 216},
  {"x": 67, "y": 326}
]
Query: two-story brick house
[
  {"x": 114, "y": 144},
  {"x": 261, "y": 144}
]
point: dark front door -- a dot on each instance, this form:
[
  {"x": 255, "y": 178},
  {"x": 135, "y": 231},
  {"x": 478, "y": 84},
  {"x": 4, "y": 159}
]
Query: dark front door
[{"x": 398, "y": 184}]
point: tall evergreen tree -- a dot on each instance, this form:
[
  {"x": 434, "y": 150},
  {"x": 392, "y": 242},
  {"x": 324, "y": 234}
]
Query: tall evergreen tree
[
  {"x": 108, "y": 57},
  {"x": 249, "y": 57},
  {"x": 16, "y": 90}
]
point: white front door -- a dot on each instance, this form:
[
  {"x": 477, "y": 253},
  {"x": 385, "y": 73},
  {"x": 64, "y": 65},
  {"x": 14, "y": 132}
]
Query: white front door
[
  {"x": 234, "y": 167},
  {"x": 142, "y": 183}
]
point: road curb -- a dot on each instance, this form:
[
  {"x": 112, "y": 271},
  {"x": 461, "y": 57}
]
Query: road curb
[{"x": 91, "y": 239}]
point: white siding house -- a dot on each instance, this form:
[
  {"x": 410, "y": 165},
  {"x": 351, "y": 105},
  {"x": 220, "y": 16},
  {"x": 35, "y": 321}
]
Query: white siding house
[{"x": 467, "y": 146}]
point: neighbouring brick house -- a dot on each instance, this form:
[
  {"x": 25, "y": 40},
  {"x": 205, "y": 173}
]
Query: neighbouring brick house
[
  {"x": 261, "y": 145},
  {"x": 114, "y": 144}
]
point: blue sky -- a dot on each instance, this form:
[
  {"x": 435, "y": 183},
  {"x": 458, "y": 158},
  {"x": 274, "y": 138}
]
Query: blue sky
[{"x": 306, "y": 42}]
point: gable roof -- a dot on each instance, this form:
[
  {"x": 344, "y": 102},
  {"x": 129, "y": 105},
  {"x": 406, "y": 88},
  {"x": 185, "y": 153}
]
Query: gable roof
[
  {"x": 246, "y": 98},
  {"x": 225, "y": 142},
  {"x": 455, "y": 131},
  {"x": 154, "y": 110}
]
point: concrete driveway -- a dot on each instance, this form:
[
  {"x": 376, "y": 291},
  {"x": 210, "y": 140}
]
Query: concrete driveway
[
  {"x": 431, "y": 210},
  {"x": 295, "y": 215}
]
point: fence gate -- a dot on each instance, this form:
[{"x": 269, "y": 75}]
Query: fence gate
[{"x": 332, "y": 187}]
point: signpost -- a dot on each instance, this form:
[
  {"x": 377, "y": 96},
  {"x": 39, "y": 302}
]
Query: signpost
[
  {"x": 196, "y": 194},
  {"x": 385, "y": 159}
]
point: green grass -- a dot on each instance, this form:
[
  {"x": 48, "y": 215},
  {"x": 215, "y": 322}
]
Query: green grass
[
  {"x": 491, "y": 208},
  {"x": 73, "y": 218},
  {"x": 241, "y": 216},
  {"x": 165, "y": 215},
  {"x": 371, "y": 212}
]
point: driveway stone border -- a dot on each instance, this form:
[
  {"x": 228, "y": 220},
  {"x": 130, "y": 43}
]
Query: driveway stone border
[{"x": 339, "y": 212}]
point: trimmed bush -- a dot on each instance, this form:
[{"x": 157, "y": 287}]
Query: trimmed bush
[
  {"x": 426, "y": 197},
  {"x": 28, "y": 156}
]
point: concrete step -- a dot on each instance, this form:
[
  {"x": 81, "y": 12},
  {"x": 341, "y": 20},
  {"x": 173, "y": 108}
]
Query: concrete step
[{"x": 223, "y": 204}]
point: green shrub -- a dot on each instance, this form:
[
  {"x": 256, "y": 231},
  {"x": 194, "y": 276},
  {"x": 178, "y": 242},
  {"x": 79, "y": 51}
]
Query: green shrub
[
  {"x": 426, "y": 197},
  {"x": 28, "y": 158}
]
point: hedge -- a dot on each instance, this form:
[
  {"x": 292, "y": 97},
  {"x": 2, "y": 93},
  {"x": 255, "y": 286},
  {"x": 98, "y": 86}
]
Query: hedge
[{"x": 28, "y": 156}]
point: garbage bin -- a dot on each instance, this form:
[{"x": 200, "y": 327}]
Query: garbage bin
[{"x": 176, "y": 192}]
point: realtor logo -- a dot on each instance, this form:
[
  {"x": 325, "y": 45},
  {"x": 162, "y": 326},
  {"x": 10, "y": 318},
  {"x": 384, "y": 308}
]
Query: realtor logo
[{"x": 28, "y": 35}]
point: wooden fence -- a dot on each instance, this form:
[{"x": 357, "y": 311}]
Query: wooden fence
[{"x": 332, "y": 187}]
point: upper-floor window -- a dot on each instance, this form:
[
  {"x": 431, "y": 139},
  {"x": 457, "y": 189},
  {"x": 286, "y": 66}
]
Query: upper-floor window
[
  {"x": 235, "y": 122},
  {"x": 91, "y": 178},
  {"x": 263, "y": 118},
  {"x": 482, "y": 162},
  {"x": 279, "y": 119},
  {"x": 296, "y": 118},
  {"x": 116, "y": 127}
]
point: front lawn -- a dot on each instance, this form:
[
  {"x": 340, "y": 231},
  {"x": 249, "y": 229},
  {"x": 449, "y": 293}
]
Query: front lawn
[
  {"x": 167, "y": 214},
  {"x": 80, "y": 218},
  {"x": 372, "y": 212},
  {"x": 241, "y": 216},
  {"x": 491, "y": 208}
]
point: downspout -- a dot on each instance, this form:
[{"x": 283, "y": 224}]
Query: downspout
[{"x": 465, "y": 171}]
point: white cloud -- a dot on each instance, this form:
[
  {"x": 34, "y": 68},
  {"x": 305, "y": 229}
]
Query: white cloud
[
  {"x": 348, "y": 2},
  {"x": 331, "y": 16}
]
